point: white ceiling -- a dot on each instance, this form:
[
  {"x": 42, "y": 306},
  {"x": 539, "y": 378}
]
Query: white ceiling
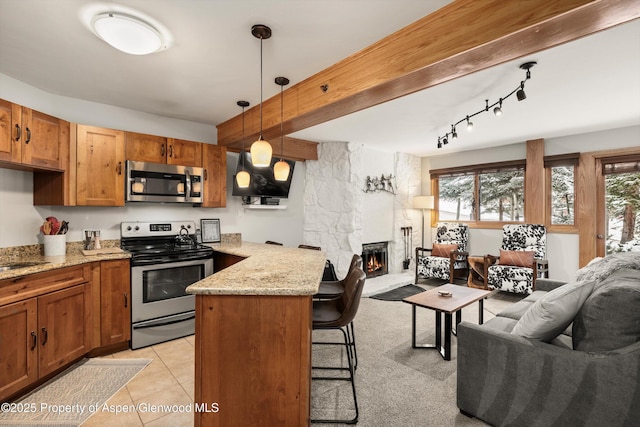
[{"x": 586, "y": 85}]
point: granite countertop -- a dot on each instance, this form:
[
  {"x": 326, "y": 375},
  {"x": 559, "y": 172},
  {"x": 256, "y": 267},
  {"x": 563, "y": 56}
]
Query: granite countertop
[
  {"x": 267, "y": 270},
  {"x": 73, "y": 257}
]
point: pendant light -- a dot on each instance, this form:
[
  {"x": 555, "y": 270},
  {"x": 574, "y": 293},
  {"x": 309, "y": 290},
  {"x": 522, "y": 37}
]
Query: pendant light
[
  {"x": 261, "y": 150},
  {"x": 281, "y": 168},
  {"x": 243, "y": 178}
]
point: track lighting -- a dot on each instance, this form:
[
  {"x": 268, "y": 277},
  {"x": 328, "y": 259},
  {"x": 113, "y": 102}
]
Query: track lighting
[{"x": 497, "y": 106}]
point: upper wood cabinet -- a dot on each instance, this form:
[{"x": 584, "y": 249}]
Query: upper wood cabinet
[
  {"x": 32, "y": 139},
  {"x": 158, "y": 149},
  {"x": 100, "y": 168},
  {"x": 214, "y": 162}
]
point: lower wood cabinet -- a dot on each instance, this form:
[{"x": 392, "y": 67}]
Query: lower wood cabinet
[
  {"x": 41, "y": 334},
  {"x": 49, "y": 320},
  {"x": 115, "y": 304}
]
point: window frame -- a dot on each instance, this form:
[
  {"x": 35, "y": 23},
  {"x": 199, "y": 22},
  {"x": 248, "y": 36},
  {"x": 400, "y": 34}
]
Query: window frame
[
  {"x": 569, "y": 159},
  {"x": 475, "y": 170}
]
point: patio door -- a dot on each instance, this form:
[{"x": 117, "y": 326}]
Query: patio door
[{"x": 618, "y": 213}]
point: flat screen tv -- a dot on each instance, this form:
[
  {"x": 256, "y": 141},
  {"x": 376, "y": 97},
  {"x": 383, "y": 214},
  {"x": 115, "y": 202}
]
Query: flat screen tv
[{"x": 263, "y": 183}]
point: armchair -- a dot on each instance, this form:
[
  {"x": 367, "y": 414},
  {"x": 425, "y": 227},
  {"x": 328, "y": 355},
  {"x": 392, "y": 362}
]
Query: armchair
[
  {"x": 522, "y": 253},
  {"x": 448, "y": 256}
]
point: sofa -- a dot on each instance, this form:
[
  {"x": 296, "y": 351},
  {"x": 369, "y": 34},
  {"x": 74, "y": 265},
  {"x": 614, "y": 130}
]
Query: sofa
[{"x": 566, "y": 355}]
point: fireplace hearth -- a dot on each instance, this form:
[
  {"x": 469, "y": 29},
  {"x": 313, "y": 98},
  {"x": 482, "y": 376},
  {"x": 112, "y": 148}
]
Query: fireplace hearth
[{"x": 375, "y": 259}]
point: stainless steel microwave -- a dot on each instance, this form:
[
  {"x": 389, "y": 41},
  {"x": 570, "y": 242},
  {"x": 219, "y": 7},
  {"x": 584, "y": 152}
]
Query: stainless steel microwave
[{"x": 156, "y": 182}]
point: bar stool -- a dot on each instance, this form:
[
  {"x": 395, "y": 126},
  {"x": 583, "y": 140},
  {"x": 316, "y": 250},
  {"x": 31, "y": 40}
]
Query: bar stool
[
  {"x": 334, "y": 289},
  {"x": 338, "y": 314}
]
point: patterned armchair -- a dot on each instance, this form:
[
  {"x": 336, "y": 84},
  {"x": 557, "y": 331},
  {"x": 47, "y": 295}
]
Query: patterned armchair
[
  {"x": 523, "y": 251},
  {"x": 448, "y": 256}
]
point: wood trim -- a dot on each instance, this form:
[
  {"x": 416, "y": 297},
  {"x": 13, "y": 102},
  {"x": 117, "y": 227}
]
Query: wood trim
[
  {"x": 536, "y": 200},
  {"x": 484, "y": 167},
  {"x": 585, "y": 202},
  {"x": 461, "y": 38},
  {"x": 293, "y": 148}
]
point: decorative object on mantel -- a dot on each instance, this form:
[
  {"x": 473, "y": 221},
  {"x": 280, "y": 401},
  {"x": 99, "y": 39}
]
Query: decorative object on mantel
[
  {"x": 384, "y": 183},
  {"x": 281, "y": 168},
  {"x": 497, "y": 107},
  {"x": 261, "y": 150},
  {"x": 407, "y": 238}
]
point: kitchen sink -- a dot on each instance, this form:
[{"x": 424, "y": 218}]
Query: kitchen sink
[{"x": 14, "y": 265}]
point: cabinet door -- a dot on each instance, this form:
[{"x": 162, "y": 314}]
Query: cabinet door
[
  {"x": 100, "y": 166},
  {"x": 41, "y": 139},
  {"x": 64, "y": 327},
  {"x": 184, "y": 153},
  {"x": 18, "y": 341},
  {"x": 146, "y": 148},
  {"x": 215, "y": 176},
  {"x": 10, "y": 132},
  {"x": 115, "y": 294}
]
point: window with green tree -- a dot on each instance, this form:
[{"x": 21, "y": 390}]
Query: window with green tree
[
  {"x": 481, "y": 193},
  {"x": 622, "y": 204}
]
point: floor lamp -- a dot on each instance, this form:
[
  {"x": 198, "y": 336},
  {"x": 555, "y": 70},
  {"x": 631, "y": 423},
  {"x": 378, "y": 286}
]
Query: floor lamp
[{"x": 422, "y": 203}]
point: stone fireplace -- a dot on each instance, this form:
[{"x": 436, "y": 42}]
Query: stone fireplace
[{"x": 375, "y": 258}]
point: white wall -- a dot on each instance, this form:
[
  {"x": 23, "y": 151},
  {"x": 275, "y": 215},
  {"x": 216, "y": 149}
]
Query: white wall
[
  {"x": 377, "y": 207},
  {"x": 562, "y": 249},
  {"x": 20, "y": 220}
]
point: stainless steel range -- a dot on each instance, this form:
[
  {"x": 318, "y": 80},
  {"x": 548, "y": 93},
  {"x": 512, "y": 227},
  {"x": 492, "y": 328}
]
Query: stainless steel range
[{"x": 165, "y": 259}]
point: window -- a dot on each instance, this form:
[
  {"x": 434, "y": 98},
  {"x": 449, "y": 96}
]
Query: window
[
  {"x": 561, "y": 178},
  {"x": 482, "y": 193},
  {"x": 622, "y": 204}
]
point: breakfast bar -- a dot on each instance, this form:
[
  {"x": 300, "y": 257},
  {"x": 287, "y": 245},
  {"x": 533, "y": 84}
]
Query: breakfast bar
[{"x": 253, "y": 335}]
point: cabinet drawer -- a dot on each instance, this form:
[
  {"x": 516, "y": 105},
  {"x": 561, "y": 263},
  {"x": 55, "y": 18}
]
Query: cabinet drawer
[{"x": 19, "y": 288}]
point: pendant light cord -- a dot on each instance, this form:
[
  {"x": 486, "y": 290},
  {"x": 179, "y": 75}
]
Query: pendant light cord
[
  {"x": 242, "y": 153},
  {"x": 261, "y": 137},
  {"x": 281, "y": 122}
]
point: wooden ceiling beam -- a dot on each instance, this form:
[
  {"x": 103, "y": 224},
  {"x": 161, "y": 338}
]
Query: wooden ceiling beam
[
  {"x": 292, "y": 148},
  {"x": 459, "y": 39}
]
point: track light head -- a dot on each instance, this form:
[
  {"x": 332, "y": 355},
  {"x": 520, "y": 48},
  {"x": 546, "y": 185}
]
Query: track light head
[
  {"x": 520, "y": 94},
  {"x": 498, "y": 110},
  {"x": 469, "y": 125},
  {"x": 454, "y": 134},
  {"x": 439, "y": 143},
  {"x": 445, "y": 141}
]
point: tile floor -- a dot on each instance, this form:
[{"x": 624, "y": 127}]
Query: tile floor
[{"x": 167, "y": 380}]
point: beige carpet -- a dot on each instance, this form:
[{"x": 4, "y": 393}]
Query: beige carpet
[{"x": 74, "y": 395}]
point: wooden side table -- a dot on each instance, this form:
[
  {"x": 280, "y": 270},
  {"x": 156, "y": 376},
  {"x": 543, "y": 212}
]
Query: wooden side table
[{"x": 461, "y": 297}]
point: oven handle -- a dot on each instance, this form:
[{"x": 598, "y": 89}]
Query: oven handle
[{"x": 162, "y": 322}]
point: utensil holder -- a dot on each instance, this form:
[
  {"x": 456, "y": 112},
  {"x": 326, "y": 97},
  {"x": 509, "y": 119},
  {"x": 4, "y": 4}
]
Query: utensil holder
[{"x": 55, "y": 245}]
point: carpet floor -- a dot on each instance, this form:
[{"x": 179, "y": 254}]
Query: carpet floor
[
  {"x": 72, "y": 396},
  {"x": 396, "y": 384}
]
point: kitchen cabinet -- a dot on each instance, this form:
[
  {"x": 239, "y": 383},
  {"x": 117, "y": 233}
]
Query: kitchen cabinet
[
  {"x": 64, "y": 327},
  {"x": 46, "y": 323},
  {"x": 159, "y": 149},
  {"x": 18, "y": 338},
  {"x": 32, "y": 140},
  {"x": 115, "y": 307},
  {"x": 100, "y": 166},
  {"x": 214, "y": 162}
]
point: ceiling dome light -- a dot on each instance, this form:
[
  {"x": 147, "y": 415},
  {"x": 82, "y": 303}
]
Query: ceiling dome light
[{"x": 127, "y": 33}]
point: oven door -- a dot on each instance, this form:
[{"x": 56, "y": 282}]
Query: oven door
[{"x": 158, "y": 290}]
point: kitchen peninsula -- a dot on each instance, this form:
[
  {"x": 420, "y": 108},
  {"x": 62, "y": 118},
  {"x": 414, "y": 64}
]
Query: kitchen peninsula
[{"x": 253, "y": 335}]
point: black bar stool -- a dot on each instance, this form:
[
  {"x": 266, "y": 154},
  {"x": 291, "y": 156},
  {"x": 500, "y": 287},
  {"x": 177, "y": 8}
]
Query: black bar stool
[{"x": 338, "y": 314}]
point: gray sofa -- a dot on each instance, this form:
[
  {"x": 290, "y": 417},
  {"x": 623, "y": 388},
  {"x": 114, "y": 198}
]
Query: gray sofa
[{"x": 526, "y": 368}]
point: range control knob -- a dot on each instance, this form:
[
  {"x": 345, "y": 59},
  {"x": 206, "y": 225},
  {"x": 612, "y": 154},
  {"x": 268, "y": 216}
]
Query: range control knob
[
  {"x": 137, "y": 228},
  {"x": 128, "y": 228}
]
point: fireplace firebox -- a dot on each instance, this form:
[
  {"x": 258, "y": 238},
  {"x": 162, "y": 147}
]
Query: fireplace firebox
[{"x": 375, "y": 258}]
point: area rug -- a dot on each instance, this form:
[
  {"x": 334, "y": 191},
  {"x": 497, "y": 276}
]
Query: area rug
[
  {"x": 398, "y": 294},
  {"x": 74, "y": 395}
]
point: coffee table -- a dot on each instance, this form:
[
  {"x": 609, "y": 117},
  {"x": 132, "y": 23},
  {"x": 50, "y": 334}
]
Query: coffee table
[{"x": 461, "y": 297}]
